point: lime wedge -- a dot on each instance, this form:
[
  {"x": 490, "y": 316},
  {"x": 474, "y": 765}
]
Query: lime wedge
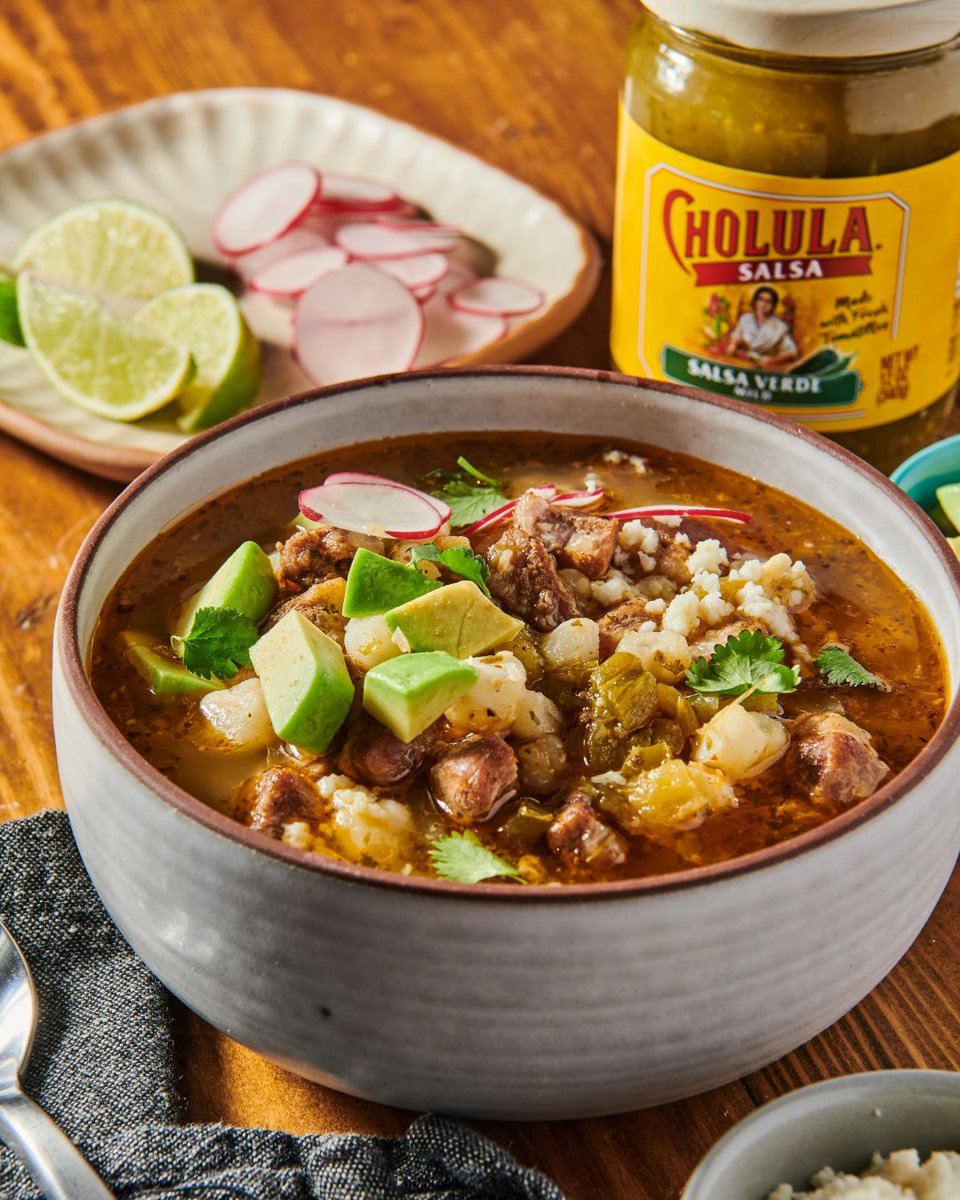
[
  {"x": 10, "y": 330},
  {"x": 948, "y": 496},
  {"x": 111, "y": 247},
  {"x": 206, "y": 317},
  {"x": 101, "y": 362}
]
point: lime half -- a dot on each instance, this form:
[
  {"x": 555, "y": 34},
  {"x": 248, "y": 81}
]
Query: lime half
[
  {"x": 111, "y": 247},
  {"x": 206, "y": 318},
  {"x": 104, "y": 363},
  {"x": 948, "y": 495}
]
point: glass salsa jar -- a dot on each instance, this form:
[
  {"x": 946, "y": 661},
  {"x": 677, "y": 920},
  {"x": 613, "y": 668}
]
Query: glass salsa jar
[{"x": 788, "y": 211}]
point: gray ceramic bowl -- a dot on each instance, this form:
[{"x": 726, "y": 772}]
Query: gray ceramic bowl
[
  {"x": 840, "y": 1123},
  {"x": 483, "y": 1000}
]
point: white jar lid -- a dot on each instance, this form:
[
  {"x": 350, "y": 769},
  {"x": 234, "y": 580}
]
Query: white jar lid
[{"x": 818, "y": 28}]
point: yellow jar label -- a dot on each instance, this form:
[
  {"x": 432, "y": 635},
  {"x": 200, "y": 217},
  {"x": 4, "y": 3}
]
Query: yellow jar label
[{"x": 836, "y": 301}]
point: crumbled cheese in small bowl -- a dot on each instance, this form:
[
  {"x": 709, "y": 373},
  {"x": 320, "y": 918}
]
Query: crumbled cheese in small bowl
[{"x": 882, "y": 1135}]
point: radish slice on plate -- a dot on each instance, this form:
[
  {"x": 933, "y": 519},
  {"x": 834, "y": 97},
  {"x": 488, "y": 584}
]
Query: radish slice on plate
[
  {"x": 423, "y": 294},
  {"x": 264, "y": 207},
  {"x": 402, "y": 220},
  {"x": 292, "y": 275},
  {"x": 496, "y": 296},
  {"x": 679, "y": 510},
  {"x": 381, "y": 241},
  {"x": 356, "y": 322},
  {"x": 378, "y": 508},
  {"x": 301, "y": 237},
  {"x": 460, "y": 272},
  {"x": 354, "y": 191},
  {"x": 418, "y": 271},
  {"x": 448, "y": 333},
  {"x": 383, "y": 481}
]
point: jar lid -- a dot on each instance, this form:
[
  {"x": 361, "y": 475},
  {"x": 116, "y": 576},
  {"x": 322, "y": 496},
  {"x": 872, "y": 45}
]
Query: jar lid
[{"x": 818, "y": 28}]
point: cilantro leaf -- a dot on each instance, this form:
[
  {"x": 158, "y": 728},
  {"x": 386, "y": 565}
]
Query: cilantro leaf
[
  {"x": 470, "y": 494},
  {"x": 840, "y": 668},
  {"x": 469, "y": 501},
  {"x": 461, "y": 560},
  {"x": 749, "y": 661},
  {"x": 218, "y": 643},
  {"x": 463, "y": 858}
]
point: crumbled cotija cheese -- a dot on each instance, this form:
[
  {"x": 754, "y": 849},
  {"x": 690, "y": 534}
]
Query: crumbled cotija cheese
[
  {"x": 618, "y": 456},
  {"x": 682, "y": 615},
  {"x": 634, "y": 535},
  {"x": 615, "y": 588},
  {"x": 708, "y": 555},
  {"x": 901, "y": 1176}
]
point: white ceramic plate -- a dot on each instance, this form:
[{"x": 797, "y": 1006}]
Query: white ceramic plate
[{"x": 182, "y": 154}]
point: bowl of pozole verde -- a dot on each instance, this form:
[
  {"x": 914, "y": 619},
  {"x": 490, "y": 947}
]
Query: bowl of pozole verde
[{"x": 524, "y": 742}]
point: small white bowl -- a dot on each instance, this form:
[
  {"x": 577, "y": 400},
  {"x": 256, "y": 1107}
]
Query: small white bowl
[{"x": 840, "y": 1123}]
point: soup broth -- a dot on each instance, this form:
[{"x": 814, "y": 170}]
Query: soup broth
[{"x": 581, "y": 789}]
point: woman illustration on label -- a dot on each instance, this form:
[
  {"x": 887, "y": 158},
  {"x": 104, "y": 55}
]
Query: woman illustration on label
[{"x": 762, "y": 336}]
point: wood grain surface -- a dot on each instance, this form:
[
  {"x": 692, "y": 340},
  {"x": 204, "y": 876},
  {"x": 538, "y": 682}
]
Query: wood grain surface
[{"x": 532, "y": 88}]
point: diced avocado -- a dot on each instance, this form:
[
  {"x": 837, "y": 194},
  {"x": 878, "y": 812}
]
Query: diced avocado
[
  {"x": 408, "y": 693},
  {"x": 948, "y": 496},
  {"x": 376, "y": 584},
  {"x": 458, "y": 619},
  {"x": 306, "y": 685},
  {"x": 246, "y": 582},
  {"x": 164, "y": 677}
]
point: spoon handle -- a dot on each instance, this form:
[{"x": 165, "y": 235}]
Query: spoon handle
[{"x": 57, "y": 1166}]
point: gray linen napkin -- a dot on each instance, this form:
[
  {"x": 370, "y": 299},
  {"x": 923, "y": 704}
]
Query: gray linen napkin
[{"x": 102, "y": 1067}]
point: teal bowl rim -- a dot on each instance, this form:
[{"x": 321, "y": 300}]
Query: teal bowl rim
[{"x": 926, "y": 457}]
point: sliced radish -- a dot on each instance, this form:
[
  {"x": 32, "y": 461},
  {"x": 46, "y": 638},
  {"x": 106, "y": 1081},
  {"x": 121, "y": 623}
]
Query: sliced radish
[
  {"x": 381, "y": 241},
  {"x": 301, "y": 237},
  {"x": 291, "y": 276},
  {"x": 383, "y": 481},
  {"x": 578, "y": 499},
  {"x": 679, "y": 510},
  {"x": 497, "y": 296},
  {"x": 423, "y": 294},
  {"x": 449, "y": 334},
  {"x": 355, "y": 191},
  {"x": 400, "y": 220},
  {"x": 356, "y": 322},
  {"x": 419, "y": 271},
  {"x": 460, "y": 272},
  {"x": 264, "y": 207},
  {"x": 397, "y": 511}
]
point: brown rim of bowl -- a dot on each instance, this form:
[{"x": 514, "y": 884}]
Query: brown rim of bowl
[{"x": 189, "y": 806}]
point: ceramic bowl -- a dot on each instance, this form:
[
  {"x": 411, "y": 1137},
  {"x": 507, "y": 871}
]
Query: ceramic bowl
[
  {"x": 481, "y": 1000},
  {"x": 841, "y": 1123},
  {"x": 930, "y": 468}
]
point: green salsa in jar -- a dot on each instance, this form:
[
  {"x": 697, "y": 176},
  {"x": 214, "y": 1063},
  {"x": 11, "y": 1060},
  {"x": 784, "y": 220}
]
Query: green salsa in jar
[{"x": 788, "y": 220}]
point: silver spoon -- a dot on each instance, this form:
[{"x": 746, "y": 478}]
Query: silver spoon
[{"x": 57, "y": 1166}]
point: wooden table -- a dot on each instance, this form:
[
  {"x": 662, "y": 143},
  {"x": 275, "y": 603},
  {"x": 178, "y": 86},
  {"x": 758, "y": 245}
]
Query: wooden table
[{"x": 531, "y": 87}]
